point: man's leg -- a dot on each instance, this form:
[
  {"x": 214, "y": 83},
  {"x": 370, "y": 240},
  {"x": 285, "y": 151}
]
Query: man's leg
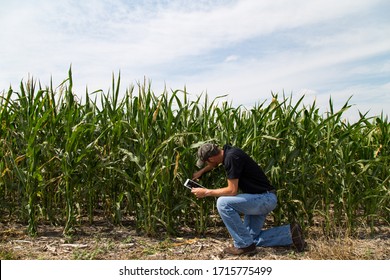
[
  {"x": 230, "y": 207},
  {"x": 232, "y": 220},
  {"x": 276, "y": 236},
  {"x": 254, "y": 224},
  {"x": 255, "y": 217}
]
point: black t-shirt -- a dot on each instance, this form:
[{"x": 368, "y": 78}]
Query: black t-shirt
[{"x": 239, "y": 165}]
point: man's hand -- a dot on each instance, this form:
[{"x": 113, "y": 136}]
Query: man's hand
[
  {"x": 197, "y": 175},
  {"x": 200, "y": 192}
]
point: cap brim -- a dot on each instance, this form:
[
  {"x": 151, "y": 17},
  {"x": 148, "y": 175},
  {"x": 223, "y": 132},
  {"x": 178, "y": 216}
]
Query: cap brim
[{"x": 200, "y": 163}]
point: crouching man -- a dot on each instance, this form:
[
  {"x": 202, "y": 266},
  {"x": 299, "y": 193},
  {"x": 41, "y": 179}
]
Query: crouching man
[{"x": 248, "y": 192}]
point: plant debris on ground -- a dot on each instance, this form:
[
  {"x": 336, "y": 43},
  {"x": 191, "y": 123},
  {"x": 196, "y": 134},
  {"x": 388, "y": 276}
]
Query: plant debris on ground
[{"x": 103, "y": 241}]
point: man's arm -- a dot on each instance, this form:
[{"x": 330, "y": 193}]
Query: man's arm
[
  {"x": 230, "y": 190},
  {"x": 207, "y": 168}
]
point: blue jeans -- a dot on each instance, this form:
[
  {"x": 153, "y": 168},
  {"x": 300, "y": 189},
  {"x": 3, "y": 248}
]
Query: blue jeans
[{"x": 255, "y": 208}]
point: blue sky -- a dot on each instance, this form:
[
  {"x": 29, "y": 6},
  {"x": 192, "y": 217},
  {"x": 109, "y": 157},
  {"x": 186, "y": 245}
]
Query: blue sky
[{"x": 244, "y": 49}]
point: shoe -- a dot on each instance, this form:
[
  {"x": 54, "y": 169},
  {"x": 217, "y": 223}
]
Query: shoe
[
  {"x": 297, "y": 237},
  {"x": 250, "y": 250}
]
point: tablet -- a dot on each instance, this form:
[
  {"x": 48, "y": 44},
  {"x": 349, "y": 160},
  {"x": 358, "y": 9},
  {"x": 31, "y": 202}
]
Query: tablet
[{"x": 192, "y": 184}]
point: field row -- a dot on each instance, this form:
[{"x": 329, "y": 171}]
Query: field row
[{"x": 128, "y": 153}]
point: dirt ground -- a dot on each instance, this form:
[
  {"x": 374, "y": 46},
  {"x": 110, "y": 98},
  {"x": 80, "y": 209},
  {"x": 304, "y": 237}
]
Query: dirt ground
[{"x": 102, "y": 241}]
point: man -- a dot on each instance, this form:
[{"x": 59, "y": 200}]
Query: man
[{"x": 248, "y": 192}]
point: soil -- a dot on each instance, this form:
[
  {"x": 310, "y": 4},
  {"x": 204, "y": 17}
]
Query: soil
[{"x": 103, "y": 241}]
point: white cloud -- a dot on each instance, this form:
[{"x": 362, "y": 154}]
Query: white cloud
[
  {"x": 231, "y": 58},
  {"x": 234, "y": 47}
]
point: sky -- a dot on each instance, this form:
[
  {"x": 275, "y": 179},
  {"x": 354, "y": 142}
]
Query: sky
[{"x": 245, "y": 49}]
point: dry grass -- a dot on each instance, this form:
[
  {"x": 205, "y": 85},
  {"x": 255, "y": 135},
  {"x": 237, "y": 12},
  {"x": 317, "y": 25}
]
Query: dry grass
[{"x": 102, "y": 241}]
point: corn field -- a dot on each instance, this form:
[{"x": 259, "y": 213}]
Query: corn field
[{"x": 122, "y": 155}]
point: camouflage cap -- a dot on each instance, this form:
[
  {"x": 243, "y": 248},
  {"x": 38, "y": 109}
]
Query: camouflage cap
[{"x": 204, "y": 152}]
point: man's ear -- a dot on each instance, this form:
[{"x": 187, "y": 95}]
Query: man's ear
[{"x": 212, "y": 160}]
